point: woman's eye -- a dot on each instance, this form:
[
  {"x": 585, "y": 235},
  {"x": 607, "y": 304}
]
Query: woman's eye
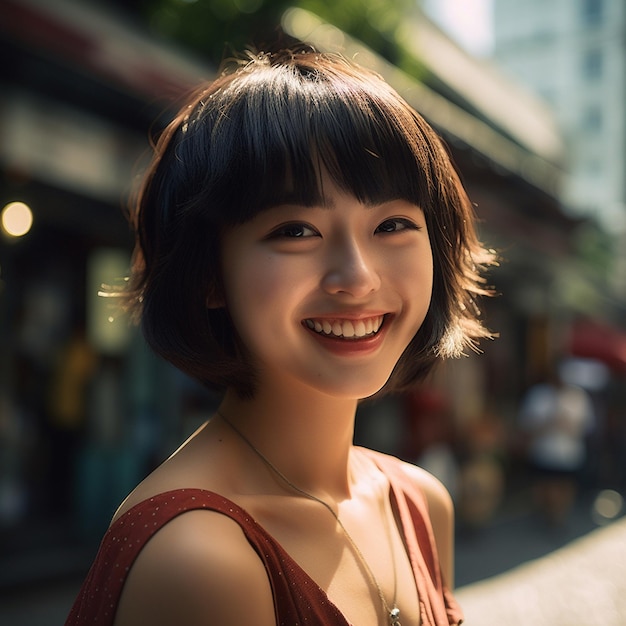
[
  {"x": 395, "y": 225},
  {"x": 293, "y": 231}
]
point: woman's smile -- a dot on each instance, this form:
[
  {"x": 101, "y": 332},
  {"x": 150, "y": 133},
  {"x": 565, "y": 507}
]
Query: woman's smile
[
  {"x": 353, "y": 329},
  {"x": 349, "y": 338}
]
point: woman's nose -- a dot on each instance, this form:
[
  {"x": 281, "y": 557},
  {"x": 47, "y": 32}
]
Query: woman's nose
[{"x": 352, "y": 270}]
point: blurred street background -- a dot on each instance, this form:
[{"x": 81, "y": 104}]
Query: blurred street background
[{"x": 530, "y": 98}]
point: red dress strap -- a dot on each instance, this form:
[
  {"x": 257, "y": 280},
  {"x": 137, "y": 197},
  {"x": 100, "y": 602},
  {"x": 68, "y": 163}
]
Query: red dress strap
[{"x": 438, "y": 606}]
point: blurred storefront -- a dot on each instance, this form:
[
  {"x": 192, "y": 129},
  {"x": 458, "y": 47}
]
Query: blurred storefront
[{"x": 85, "y": 410}]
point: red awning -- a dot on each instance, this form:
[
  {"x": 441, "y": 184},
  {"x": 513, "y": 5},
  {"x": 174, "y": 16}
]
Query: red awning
[{"x": 592, "y": 339}]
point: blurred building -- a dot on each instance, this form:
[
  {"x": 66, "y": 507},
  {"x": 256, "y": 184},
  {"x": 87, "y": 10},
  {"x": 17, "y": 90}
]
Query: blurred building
[{"x": 572, "y": 55}]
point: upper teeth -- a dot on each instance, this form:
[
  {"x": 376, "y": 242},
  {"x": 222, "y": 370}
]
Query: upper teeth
[{"x": 346, "y": 328}]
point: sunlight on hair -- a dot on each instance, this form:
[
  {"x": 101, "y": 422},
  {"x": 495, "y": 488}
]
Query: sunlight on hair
[
  {"x": 452, "y": 342},
  {"x": 107, "y": 324}
]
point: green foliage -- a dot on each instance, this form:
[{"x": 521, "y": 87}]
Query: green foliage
[
  {"x": 374, "y": 22},
  {"x": 594, "y": 247},
  {"x": 210, "y": 28},
  {"x": 216, "y": 28}
]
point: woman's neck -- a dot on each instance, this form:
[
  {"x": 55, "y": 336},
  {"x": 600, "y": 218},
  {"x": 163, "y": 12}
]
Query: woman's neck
[{"x": 307, "y": 437}]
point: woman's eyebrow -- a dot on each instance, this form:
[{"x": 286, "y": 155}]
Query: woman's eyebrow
[
  {"x": 296, "y": 202},
  {"x": 291, "y": 199}
]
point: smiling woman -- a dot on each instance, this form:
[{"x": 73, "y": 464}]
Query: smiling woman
[
  {"x": 303, "y": 243},
  {"x": 261, "y": 136}
]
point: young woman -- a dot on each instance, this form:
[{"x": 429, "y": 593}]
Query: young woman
[{"x": 303, "y": 243}]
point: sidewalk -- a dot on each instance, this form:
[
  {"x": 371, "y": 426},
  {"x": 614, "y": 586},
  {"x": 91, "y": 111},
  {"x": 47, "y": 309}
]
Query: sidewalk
[
  {"x": 515, "y": 536},
  {"x": 583, "y": 583}
]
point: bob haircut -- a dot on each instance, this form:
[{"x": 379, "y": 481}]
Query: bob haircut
[{"x": 260, "y": 135}]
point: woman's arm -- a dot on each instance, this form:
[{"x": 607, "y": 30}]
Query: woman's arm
[{"x": 198, "y": 570}]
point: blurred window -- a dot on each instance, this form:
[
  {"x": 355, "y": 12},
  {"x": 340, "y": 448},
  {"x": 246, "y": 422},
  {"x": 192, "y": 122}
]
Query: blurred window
[
  {"x": 592, "y": 118},
  {"x": 592, "y": 12},
  {"x": 592, "y": 63}
]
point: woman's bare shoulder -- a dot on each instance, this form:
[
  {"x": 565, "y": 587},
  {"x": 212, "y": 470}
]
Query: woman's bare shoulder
[
  {"x": 198, "y": 570},
  {"x": 436, "y": 494}
]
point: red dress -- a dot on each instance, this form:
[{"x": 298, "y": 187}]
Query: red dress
[{"x": 297, "y": 598}]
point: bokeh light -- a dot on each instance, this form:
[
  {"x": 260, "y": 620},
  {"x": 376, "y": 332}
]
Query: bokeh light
[
  {"x": 17, "y": 219},
  {"x": 607, "y": 506}
]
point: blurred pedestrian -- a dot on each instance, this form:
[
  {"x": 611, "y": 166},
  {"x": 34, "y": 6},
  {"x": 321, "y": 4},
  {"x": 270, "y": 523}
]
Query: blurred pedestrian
[
  {"x": 294, "y": 251},
  {"x": 556, "y": 418}
]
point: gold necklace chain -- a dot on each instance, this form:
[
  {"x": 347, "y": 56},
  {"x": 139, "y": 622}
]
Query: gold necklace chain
[{"x": 393, "y": 613}]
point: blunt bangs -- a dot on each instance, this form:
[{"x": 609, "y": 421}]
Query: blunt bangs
[{"x": 269, "y": 133}]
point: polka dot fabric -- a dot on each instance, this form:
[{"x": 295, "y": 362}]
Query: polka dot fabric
[{"x": 298, "y": 600}]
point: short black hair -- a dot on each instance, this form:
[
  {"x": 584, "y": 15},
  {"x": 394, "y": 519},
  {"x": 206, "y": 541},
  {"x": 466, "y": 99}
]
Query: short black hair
[{"x": 260, "y": 134}]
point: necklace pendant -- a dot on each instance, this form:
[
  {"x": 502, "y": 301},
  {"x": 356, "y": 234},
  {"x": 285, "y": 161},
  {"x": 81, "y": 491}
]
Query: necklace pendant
[{"x": 394, "y": 617}]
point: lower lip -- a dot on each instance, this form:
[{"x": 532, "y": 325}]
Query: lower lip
[{"x": 351, "y": 347}]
